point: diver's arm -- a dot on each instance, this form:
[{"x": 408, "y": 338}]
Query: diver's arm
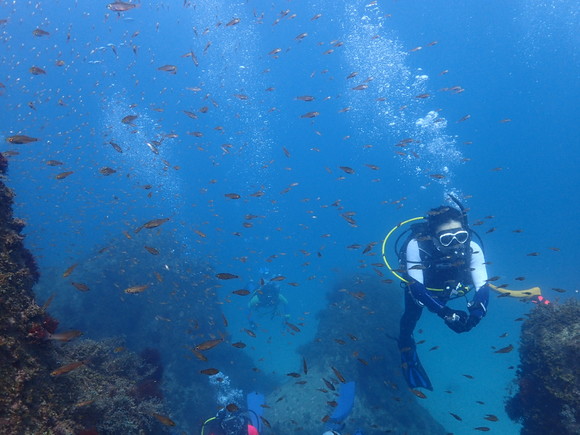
[
  {"x": 283, "y": 304},
  {"x": 478, "y": 270},
  {"x": 253, "y": 302},
  {"x": 478, "y": 305},
  {"x": 414, "y": 259},
  {"x": 251, "y": 305}
]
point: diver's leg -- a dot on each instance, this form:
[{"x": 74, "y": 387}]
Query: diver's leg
[
  {"x": 408, "y": 321},
  {"x": 413, "y": 371}
]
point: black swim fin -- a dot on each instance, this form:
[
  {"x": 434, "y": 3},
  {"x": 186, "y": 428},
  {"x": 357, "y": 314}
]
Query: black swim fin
[{"x": 413, "y": 371}]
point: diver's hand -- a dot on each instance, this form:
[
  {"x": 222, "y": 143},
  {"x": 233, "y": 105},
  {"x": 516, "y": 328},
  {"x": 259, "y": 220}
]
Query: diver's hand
[
  {"x": 477, "y": 311},
  {"x": 456, "y": 320}
]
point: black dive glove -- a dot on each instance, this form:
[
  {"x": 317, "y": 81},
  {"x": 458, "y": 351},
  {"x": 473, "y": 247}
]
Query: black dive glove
[
  {"x": 478, "y": 306},
  {"x": 456, "y": 320}
]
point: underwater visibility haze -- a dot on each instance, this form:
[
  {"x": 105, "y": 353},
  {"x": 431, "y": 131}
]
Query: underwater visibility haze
[{"x": 166, "y": 156}]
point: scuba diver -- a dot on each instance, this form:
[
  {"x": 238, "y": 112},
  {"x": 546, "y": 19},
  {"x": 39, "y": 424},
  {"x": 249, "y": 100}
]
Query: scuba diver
[
  {"x": 232, "y": 420},
  {"x": 267, "y": 301},
  {"x": 440, "y": 261},
  {"x": 229, "y": 423}
]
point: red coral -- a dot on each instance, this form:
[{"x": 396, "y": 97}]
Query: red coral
[
  {"x": 37, "y": 332},
  {"x": 50, "y": 324},
  {"x": 41, "y": 331}
]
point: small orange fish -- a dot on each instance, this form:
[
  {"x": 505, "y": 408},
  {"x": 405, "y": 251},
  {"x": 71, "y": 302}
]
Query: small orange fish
[
  {"x": 338, "y": 375},
  {"x": 172, "y": 69},
  {"x": 241, "y": 292},
  {"x": 63, "y": 175},
  {"x": 152, "y": 224},
  {"x": 21, "y": 139},
  {"x": 232, "y": 195},
  {"x": 119, "y": 6},
  {"x": 419, "y": 394},
  {"x": 136, "y": 289},
  {"x": 209, "y": 372},
  {"x": 67, "y": 368},
  {"x": 116, "y": 147},
  {"x": 107, "y": 171},
  {"x": 239, "y": 345},
  {"x": 506, "y": 349},
  {"x": 266, "y": 422},
  {"x": 293, "y": 327},
  {"x": 80, "y": 286},
  {"x": 152, "y": 250},
  {"x": 163, "y": 419},
  {"x": 40, "y": 32},
  {"x": 69, "y": 270},
  {"x": 200, "y": 356},
  {"x": 491, "y": 417},
  {"x": 129, "y": 119},
  {"x": 293, "y": 374},
  {"x": 209, "y": 344},
  {"x": 34, "y": 70},
  {"x": 65, "y": 336},
  {"x": 250, "y": 332},
  {"x": 226, "y": 275},
  {"x": 310, "y": 115}
]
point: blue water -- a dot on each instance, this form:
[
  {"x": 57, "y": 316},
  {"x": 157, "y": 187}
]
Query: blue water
[{"x": 518, "y": 62}]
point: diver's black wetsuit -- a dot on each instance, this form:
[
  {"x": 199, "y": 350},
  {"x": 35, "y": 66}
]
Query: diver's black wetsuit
[{"x": 453, "y": 273}]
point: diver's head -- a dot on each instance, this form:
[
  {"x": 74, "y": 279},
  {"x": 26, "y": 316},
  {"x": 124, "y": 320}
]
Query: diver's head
[
  {"x": 234, "y": 423},
  {"x": 447, "y": 228}
]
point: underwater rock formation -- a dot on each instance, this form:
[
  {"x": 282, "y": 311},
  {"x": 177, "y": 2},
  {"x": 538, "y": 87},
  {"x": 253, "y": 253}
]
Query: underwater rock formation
[
  {"x": 353, "y": 342},
  {"x": 49, "y": 386},
  {"x": 179, "y": 309},
  {"x": 548, "y": 379}
]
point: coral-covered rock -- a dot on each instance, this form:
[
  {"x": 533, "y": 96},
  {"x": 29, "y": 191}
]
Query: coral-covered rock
[
  {"x": 39, "y": 391},
  {"x": 548, "y": 381}
]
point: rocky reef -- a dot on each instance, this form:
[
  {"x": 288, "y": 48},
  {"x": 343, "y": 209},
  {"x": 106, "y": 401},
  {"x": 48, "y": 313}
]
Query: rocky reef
[
  {"x": 548, "y": 380},
  {"x": 50, "y": 383},
  {"x": 352, "y": 343}
]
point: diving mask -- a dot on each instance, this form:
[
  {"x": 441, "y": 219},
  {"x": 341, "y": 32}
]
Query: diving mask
[{"x": 447, "y": 237}]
